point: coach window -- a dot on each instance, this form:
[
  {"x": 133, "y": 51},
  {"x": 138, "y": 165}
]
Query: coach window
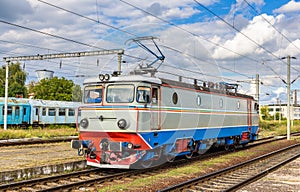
[
  {"x": 9, "y": 110},
  {"x": 17, "y": 112},
  {"x": 71, "y": 112},
  {"x": 51, "y": 112},
  {"x": 62, "y": 112},
  {"x": 44, "y": 110},
  {"x": 93, "y": 94},
  {"x": 143, "y": 94}
]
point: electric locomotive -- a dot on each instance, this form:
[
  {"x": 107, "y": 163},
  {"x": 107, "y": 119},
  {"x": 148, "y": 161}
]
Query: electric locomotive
[{"x": 132, "y": 121}]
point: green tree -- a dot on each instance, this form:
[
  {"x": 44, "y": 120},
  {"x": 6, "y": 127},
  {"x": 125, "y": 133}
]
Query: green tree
[
  {"x": 16, "y": 81},
  {"x": 77, "y": 93},
  {"x": 264, "y": 111},
  {"x": 59, "y": 89}
]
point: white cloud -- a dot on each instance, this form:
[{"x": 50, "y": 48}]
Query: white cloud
[
  {"x": 258, "y": 30},
  {"x": 211, "y": 58},
  {"x": 291, "y": 6}
]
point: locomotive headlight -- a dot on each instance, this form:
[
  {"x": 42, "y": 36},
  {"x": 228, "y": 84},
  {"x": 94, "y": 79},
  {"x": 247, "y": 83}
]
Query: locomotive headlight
[
  {"x": 122, "y": 123},
  {"x": 84, "y": 123},
  {"x": 129, "y": 145},
  {"x": 106, "y": 77},
  {"x": 101, "y": 77}
]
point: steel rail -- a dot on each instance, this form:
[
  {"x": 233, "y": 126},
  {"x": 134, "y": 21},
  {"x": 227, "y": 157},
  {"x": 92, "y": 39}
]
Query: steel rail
[
  {"x": 220, "y": 173},
  {"x": 111, "y": 176}
]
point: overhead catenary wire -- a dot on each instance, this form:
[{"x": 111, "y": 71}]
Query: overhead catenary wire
[
  {"x": 182, "y": 28},
  {"x": 49, "y": 34},
  {"x": 109, "y": 25},
  {"x": 175, "y": 25},
  {"x": 284, "y": 36},
  {"x": 237, "y": 30},
  {"x": 189, "y": 32},
  {"x": 88, "y": 18}
]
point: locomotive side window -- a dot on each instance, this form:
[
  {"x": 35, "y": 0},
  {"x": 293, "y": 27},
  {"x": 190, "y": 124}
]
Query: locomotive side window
[
  {"x": 143, "y": 94},
  {"x": 93, "y": 94},
  {"x": 198, "y": 100},
  {"x": 154, "y": 95},
  {"x": 221, "y": 103},
  {"x": 238, "y": 105},
  {"x": 120, "y": 93},
  {"x": 256, "y": 107},
  {"x": 175, "y": 98}
]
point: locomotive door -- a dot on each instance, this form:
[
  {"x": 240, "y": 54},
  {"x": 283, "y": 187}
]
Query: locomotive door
[
  {"x": 249, "y": 118},
  {"x": 155, "y": 108}
]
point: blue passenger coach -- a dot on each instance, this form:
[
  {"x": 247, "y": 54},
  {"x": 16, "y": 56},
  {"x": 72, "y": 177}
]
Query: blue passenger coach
[
  {"x": 18, "y": 111},
  {"x": 38, "y": 112}
]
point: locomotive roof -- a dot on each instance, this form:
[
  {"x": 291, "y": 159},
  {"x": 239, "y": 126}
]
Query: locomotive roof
[
  {"x": 159, "y": 81},
  {"x": 125, "y": 78},
  {"x": 202, "y": 88}
]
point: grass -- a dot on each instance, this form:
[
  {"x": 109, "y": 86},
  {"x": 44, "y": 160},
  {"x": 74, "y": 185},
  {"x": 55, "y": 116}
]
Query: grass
[
  {"x": 49, "y": 132},
  {"x": 186, "y": 171},
  {"x": 274, "y": 128}
]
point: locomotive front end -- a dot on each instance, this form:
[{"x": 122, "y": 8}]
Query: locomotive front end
[{"x": 108, "y": 128}]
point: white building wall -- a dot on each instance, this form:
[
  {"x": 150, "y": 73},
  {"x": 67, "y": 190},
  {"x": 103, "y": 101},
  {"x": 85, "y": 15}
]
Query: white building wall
[{"x": 282, "y": 109}]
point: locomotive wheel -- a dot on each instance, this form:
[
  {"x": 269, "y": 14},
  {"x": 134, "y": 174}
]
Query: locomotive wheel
[
  {"x": 190, "y": 155},
  {"x": 146, "y": 164},
  {"x": 229, "y": 147},
  {"x": 169, "y": 157}
]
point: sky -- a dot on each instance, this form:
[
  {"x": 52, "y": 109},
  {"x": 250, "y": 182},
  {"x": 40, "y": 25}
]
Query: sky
[{"x": 210, "y": 40}]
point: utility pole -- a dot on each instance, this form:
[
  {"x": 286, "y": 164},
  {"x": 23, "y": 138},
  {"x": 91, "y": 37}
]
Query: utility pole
[
  {"x": 6, "y": 96},
  {"x": 119, "y": 52},
  {"x": 288, "y": 126},
  {"x": 257, "y": 87}
]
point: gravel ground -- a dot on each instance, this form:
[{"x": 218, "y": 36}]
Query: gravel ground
[
  {"x": 176, "y": 175},
  {"x": 284, "y": 179},
  {"x": 18, "y": 157}
]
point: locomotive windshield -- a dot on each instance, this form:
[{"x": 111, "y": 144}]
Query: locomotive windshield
[
  {"x": 120, "y": 93},
  {"x": 93, "y": 94}
]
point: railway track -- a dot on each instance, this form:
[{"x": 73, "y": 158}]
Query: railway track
[
  {"x": 30, "y": 141},
  {"x": 92, "y": 176},
  {"x": 235, "y": 177}
]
